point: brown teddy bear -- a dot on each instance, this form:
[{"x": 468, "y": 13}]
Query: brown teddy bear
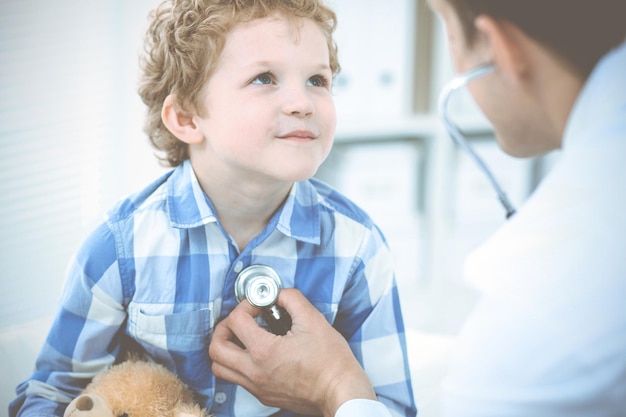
[{"x": 135, "y": 388}]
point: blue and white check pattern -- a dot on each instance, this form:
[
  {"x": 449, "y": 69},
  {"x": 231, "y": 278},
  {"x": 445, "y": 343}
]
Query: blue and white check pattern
[{"x": 160, "y": 273}]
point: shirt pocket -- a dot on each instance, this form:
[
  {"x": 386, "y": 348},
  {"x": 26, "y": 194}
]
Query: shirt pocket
[{"x": 182, "y": 332}]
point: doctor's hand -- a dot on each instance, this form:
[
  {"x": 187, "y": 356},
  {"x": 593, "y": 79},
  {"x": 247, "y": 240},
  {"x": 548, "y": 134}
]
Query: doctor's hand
[{"x": 310, "y": 370}]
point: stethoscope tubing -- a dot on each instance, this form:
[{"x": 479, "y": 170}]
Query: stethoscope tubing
[{"x": 456, "y": 134}]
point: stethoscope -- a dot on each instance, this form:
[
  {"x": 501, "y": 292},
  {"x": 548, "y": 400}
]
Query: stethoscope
[
  {"x": 461, "y": 81},
  {"x": 260, "y": 285}
]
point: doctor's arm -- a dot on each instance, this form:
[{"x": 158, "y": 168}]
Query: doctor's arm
[{"x": 310, "y": 370}]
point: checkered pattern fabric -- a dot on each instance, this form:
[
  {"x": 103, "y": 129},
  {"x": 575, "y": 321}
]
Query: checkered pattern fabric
[{"x": 160, "y": 272}]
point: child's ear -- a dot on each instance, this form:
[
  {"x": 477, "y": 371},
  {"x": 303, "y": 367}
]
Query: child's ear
[
  {"x": 180, "y": 122},
  {"x": 507, "y": 46}
]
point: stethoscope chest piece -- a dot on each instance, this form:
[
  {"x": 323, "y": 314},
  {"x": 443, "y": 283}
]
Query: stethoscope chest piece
[{"x": 260, "y": 285}]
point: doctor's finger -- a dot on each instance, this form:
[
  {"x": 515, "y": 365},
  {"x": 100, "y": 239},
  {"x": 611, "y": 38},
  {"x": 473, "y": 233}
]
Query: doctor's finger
[
  {"x": 230, "y": 374},
  {"x": 228, "y": 355},
  {"x": 224, "y": 341},
  {"x": 241, "y": 326}
]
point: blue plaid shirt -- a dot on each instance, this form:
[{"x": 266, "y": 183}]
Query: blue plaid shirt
[{"x": 160, "y": 272}]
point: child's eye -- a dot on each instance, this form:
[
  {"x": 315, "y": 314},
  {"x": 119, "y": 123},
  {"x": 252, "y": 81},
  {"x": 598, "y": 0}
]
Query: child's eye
[
  {"x": 317, "y": 81},
  {"x": 265, "y": 78}
]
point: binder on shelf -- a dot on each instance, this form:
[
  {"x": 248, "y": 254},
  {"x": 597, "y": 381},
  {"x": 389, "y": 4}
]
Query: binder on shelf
[{"x": 375, "y": 48}]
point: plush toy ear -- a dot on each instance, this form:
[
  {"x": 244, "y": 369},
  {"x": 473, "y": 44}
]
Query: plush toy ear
[{"x": 88, "y": 405}]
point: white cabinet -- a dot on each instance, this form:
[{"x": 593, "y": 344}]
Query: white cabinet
[{"x": 375, "y": 51}]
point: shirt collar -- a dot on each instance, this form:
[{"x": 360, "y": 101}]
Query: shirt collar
[
  {"x": 600, "y": 101},
  {"x": 300, "y": 215},
  {"x": 187, "y": 204},
  {"x": 189, "y": 207}
]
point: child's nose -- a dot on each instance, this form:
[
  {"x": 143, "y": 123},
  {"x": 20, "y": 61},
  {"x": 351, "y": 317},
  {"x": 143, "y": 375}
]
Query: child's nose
[{"x": 298, "y": 102}]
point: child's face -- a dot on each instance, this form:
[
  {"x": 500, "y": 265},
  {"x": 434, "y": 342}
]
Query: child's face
[{"x": 269, "y": 111}]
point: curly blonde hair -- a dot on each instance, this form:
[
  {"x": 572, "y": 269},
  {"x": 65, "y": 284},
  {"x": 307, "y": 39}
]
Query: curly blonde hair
[{"x": 183, "y": 44}]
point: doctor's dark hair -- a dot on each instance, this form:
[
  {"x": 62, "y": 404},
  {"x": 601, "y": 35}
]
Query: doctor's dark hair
[
  {"x": 580, "y": 32},
  {"x": 182, "y": 47}
]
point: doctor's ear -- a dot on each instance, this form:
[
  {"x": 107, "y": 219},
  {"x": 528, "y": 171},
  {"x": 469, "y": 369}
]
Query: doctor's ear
[
  {"x": 180, "y": 122},
  {"x": 507, "y": 46}
]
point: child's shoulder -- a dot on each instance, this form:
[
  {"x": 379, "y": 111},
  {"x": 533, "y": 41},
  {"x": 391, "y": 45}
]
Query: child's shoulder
[
  {"x": 152, "y": 196},
  {"x": 338, "y": 202}
]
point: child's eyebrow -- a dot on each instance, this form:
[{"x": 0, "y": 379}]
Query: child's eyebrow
[
  {"x": 323, "y": 67},
  {"x": 266, "y": 64}
]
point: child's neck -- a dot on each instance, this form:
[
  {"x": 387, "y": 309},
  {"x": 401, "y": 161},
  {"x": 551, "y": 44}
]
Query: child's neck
[
  {"x": 245, "y": 209},
  {"x": 242, "y": 227}
]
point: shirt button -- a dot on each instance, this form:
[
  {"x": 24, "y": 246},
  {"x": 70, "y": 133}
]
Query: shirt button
[
  {"x": 238, "y": 266},
  {"x": 221, "y": 397}
]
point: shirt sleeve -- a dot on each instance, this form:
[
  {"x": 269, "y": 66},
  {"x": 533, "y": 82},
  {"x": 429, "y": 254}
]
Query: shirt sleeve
[
  {"x": 370, "y": 318},
  {"x": 362, "y": 408},
  {"x": 83, "y": 339}
]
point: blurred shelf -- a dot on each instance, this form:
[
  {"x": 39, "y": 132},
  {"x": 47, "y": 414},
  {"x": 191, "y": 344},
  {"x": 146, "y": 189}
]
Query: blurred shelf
[{"x": 418, "y": 126}]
